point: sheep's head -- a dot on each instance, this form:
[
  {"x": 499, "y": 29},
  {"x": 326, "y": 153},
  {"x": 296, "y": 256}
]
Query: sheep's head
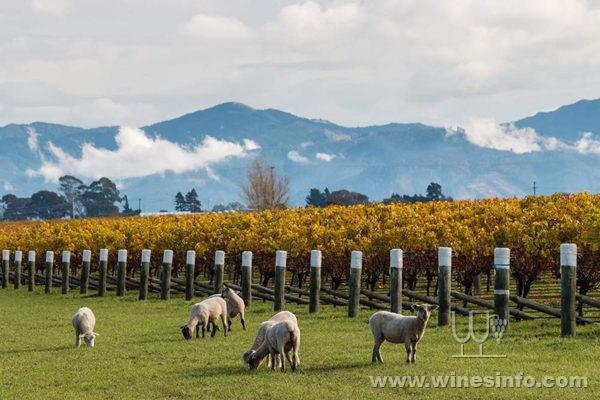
[
  {"x": 89, "y": 338},
  {"x": 226, "y": 292},
  {"x": 251, "y": 359},
  {"x": 187, "y": 332},
  {"x": 424, "y": 310}
]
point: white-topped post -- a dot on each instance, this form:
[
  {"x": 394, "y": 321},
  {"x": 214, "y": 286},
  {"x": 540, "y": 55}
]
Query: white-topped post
[
  {"x": 165, "y": 277},
  {"x": 247, "y": 277},
  {"x": 5, "y": 268},
  {"x": 102, "y": 271},
  {"x": 396, "y": 264},
  {"x": 219, "y": 271},
  {"x": 190, "y": 274},
  {"x": 121, "y": 272},
  {"x": 144, "y": 274},
  {"x": 31, "y": 270},
  {"x": 354, "y": 283},
  {"x": 315, "y": 281},
  {"x": 444, "y": 284},
  {"x": 49, "y": 271},
  {"x": 568, "y": 288},
  {"x": 501, "y": 286},
  {"x": 84, "y": 277},
  {"x": 280, "y": 267},
  {"x": 65, "y": 268},
  {"x": 18, "y": 268}
]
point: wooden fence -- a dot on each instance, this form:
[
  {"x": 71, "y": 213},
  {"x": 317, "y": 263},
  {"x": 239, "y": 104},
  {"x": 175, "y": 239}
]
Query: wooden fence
[{"x": 396, "y": 299}]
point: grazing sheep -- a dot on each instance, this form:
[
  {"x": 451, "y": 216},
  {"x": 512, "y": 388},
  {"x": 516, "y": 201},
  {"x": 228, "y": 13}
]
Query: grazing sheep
[
  {"x": 281, "y": 338},
  {"x": 84, "y": 322},
  {"x": 235, "y": 306},
  {"x": 396, "y": 328},
  {"x": 206, "y": 312},
  {"x": 260, "y": 335}
]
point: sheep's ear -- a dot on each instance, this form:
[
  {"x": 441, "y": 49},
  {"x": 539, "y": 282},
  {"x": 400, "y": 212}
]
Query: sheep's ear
[
  {"x": 414, "y": 307},
  {"x": 433, "y": 307}
]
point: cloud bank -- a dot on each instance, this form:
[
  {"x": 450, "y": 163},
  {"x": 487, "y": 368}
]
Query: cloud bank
[{"x": 139, "y": 155}]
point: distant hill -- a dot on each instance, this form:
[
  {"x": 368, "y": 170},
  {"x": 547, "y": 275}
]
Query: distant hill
[{"x": 375, "y": 160}]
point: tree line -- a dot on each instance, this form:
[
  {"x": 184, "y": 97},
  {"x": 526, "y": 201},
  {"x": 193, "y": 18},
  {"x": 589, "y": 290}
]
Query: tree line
[{"x": 74, "y": 199}]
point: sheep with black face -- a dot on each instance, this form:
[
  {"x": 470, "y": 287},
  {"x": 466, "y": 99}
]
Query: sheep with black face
[
  {"x": 396, "y": 328},
  {"x": 206, "y": 312}
]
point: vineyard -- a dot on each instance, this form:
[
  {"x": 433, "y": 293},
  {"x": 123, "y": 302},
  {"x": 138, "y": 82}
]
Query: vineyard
[{"x": 532, "y": 228}]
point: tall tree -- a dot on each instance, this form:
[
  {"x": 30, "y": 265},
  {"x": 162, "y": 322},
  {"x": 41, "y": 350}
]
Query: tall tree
[
  {"x": 434, "y": 191},
  {"x": 180, "y": 202},
  {"x": 191, "y": 201},
  {"x": 100, "y": 197},
  {"x": 347, "y": 198},
  {"x": 263, "y": 189},
  {"x": 15, "y": 208},
  {"x": 72, "y": 189},
  {"x": 48, "y": 205},
  {"x": 316, "y": 198}
]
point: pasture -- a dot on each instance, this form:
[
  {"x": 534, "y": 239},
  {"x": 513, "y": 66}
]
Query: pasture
[{"x": 142, "y": 355}]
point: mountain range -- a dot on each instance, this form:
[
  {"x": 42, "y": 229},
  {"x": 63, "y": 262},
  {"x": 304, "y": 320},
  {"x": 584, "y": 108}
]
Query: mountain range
[{"x": 375, "y": 160}]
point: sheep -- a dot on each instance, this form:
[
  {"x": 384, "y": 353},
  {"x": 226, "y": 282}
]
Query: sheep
[
  {"x": 206, "y": 312},
  {"x": 84, "y": 321},
  {"x": 396, "y": 328},
  {"x": 260, "y": 335},
  {"x": 280, "y": 338},
  {"x": 235, "y": 306}
]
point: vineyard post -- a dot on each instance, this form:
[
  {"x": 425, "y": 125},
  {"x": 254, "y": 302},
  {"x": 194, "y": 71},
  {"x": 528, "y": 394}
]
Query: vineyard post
[
  {"x": 501, "y": 283},
  {"x": 568, "y": 288},
  {"x": 144, "y": 274},
  {"x": 444, "y": 284},
  {"x": 48, "y": 270},
  {"x": 190, "y": 266},
  {"x": 247, "y": 277},
  {"x": 354, "y": 283},
  {"x": 65, "y": 265},
  {"x": 5, "y": 267},
  {"x": 102, "y": 270},
  {"x": 219, "y": 271},
  {"x": 86, "y": 259},
  {"x": 121, "y": 271},
  {"x": 18, "y": 268},
  {"x": 165, "y": 277},
  {"x": 396, "y": 280},
  {"x": 31, "y": 270},
  {"x": 280, "y": 264},
  {"x": 315, "y": 281}
]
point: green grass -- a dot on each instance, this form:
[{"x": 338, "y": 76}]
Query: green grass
[{"x": 142, "y": 355}]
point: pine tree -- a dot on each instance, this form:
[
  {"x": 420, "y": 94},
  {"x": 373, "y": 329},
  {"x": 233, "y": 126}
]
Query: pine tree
[{"x": 180, "y": 204}]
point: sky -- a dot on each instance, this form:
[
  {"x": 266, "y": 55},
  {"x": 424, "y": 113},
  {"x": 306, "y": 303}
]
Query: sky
[{"x": 442, "y": 62}]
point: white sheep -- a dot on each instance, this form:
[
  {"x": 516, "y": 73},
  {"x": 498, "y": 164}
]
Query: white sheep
[
  {"x": 281, "y": 338},
  {"x": 235, "y": 306},
  {"x": 206, "y": 312},
  {"x": 260, "y": 335},
  {"x": 84, "y": 322},
  {"x": 396, "y": 328}
]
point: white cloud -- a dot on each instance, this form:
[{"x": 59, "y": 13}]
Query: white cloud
[
  {"x": 138, "y": 155},
  {"x": 587, "y": 144},
  {"x": 8, "y": 186},
  {"x": 337, "y": 136},
  {"x": 54, "y": 8},
  {"x": 296, "y": 157},
  {"x": 304, "y": 145},
  {"x": 250, "y": 145},
  {"x": 325, "y": 156},
  {"x": 215, "y": 27},
  {"x": 32, "y": 139}
]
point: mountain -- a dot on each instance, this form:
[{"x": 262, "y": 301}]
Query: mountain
[{"x": 375, "y": 160}]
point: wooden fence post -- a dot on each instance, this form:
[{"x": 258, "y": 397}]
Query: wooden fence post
[
  {"x": 5, "y": 267},
  {"x": 49, "y": 271},
  {"x": 501, "y": 286},
  {"x": 247, "y": 278},
  {"x": 219, "y": 271},
  {"x": 144, "y": 274},
  {"x": 354, "y": 283},
  {"x": 84, "y": 279},
  {"x": 280, "y": 264},
  {"x": 121, "y": 272},
  {"x": 444, "y": 284},
  {"x": 102, "y": 271},
  {"x": 477, "y": 284},
  {"x": 31, "y": 270},
  {"x": 568, "y": 288},
  {"x": 190, "y": 266},
  {"x": 396, "y": 280},
  {"x": 165, "y": 277},
  {"x": 65, "y": 266},
  {"x": 18, "y": 268},
  {"x": 315, "y": 281}
]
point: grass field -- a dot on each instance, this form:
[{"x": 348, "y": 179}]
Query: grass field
[{"x": 142, "y": 355}]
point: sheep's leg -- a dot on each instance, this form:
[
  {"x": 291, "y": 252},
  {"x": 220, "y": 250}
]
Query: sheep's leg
[
  {"x": 197, "y": 331},
  {"x": 229, "y": 324},
  {"x": 414, "y": 352},
  {"x": 270, "y": 361},
  {"x": 203, "y": 330},
  {"x": 225, "y": 327},
  {"x": 274, "y": 356},
  {"x": 77, "y": 340},
  {"x": 377, "y": 351},
  {"x": 408, "y": 347},
  {"x": 243, "y": 319},
  {"x": 214, "y": 329}
]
